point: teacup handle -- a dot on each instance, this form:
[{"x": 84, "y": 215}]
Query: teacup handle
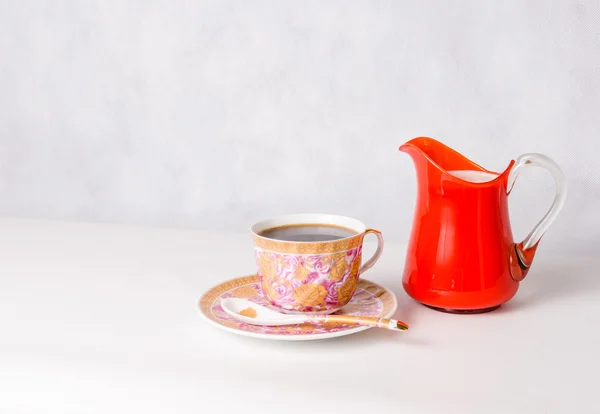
[{"x": 369, "y": 263}]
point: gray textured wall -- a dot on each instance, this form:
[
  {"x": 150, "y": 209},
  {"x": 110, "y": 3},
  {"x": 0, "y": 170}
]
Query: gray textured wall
[{"x": 213, "y": 114}]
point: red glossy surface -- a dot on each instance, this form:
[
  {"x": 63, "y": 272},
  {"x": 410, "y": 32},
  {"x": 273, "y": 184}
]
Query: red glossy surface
[{"x": 461, "y": 240}]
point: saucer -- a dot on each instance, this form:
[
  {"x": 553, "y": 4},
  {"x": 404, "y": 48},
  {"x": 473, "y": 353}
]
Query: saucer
[{"x": 370, "y": 299}]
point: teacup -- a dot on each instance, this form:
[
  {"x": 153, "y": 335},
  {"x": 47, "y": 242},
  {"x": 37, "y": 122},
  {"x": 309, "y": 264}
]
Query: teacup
[{"x": 310, "y": 263}]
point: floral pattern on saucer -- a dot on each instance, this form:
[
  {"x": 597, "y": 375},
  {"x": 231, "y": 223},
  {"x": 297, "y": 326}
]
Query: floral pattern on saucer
[{"x": 370, "y": 299}]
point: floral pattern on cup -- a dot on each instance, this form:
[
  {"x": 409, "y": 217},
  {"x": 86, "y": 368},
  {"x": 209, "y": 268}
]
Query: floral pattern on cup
[{"x": 321, "y": 283}]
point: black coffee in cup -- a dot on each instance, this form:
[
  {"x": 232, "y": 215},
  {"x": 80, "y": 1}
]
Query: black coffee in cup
[{"x": 307, "y": 233}]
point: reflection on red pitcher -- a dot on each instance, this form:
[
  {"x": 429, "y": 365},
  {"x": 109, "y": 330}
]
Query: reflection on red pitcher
[{"x": 461, "y": 256}]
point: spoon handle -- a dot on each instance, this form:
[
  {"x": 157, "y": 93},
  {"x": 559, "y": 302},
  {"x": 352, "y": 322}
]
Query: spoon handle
[{"x": 385, "y": 323}]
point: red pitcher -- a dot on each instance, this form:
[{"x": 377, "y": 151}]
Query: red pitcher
[{"x": 461, "y": 256}]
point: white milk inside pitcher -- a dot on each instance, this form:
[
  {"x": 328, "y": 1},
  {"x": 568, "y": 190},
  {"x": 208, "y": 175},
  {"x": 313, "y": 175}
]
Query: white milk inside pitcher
[{"x": 473, "y": 176}]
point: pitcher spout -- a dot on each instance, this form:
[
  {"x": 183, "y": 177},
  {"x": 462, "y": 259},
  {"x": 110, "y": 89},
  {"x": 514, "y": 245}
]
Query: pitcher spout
[{"x": 439, "y": 155}]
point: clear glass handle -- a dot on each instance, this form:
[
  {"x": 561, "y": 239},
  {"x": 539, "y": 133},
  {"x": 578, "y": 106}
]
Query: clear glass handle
[{"x": 526, "y": 249}]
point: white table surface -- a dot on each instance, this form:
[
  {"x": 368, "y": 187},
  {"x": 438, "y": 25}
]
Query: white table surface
[{"x": 100, "y": 318}]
